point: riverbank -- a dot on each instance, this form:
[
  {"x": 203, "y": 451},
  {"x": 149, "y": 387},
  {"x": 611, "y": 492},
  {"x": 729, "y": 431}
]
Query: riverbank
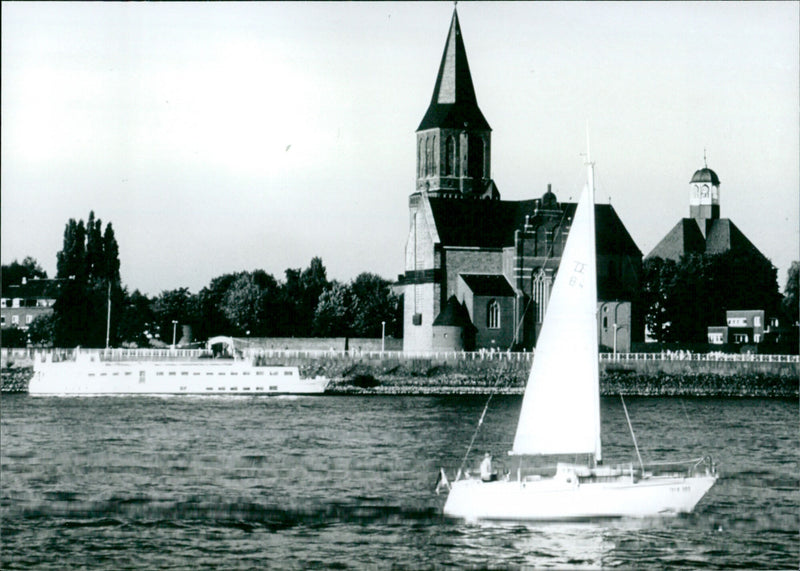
[{"x": 422, "y": 377}]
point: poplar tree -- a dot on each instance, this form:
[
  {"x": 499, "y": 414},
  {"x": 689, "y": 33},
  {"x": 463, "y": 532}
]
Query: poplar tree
[{"x": 89, "y": 262}]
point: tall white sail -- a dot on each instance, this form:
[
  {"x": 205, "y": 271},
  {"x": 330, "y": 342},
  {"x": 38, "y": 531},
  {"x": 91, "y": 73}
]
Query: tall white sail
[{"x": 561, "y": 407}]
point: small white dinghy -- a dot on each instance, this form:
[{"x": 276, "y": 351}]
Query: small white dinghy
[{"x": 560, "y": 415}]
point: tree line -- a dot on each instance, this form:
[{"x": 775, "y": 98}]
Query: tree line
[
  {"x": 679, "y": 299},
  {"x": 249, "y": 303},
  {"x": 683, "y": 298}
]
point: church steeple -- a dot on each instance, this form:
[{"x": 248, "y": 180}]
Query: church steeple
[
  {"x": 454, "y": 138},
  {"x": 454, "y": 104},
  {"x": 704, "y": 196}
]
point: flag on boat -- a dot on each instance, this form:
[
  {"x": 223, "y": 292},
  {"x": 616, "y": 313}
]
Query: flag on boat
[{"x": 442, "y": 481}]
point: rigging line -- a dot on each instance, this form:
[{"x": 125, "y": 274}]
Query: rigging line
[
  {"x": 547, "y": 257},
  {"x": 480, "y": 422},
  {"x": 630, "y": 426}
]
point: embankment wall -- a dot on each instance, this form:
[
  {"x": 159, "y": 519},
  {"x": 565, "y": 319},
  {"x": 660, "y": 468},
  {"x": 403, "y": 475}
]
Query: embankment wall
[{"x": 397, "y": 373}]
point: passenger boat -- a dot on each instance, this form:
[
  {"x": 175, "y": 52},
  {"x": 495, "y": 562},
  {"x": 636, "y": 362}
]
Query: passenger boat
[
  {"x": 113, "y": 372},
  {"x": 560, "y": 417}
]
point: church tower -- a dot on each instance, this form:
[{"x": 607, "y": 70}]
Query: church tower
[
  {"x": 454, "y": 138},
  {"x": 704, "y": 197}
]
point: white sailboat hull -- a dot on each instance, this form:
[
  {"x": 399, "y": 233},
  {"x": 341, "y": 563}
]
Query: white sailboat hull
[
  {"x": 560, "y": 499},
  {"x": 206, "y": 376}
]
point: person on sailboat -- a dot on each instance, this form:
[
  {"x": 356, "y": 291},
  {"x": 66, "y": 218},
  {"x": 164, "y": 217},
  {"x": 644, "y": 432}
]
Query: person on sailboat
[{"x": 486, "y": 469}]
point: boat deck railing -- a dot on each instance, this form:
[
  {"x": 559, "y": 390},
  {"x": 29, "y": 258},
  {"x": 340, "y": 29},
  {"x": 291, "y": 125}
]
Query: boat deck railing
[{"x": 692, "y": 467}]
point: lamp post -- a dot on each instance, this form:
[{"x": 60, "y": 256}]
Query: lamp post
[
  {"x": 383, "y": 336},
  {"x": 174, "y": 328}
]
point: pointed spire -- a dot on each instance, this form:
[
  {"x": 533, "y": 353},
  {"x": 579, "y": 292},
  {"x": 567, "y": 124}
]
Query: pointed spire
[{"x": 454, "y": 104}]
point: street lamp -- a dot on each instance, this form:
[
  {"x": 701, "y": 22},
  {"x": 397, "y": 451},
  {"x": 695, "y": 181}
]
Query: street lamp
[
  {"x": 383, "y": 336},
  {"x": 174, "y": 328}
]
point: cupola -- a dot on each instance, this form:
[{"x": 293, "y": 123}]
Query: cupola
[{"x": 704, "y": 195}]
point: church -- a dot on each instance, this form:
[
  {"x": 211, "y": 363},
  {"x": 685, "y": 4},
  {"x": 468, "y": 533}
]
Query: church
[
  {"x": 478, "y": 269},
  {"x": 704, "y": 232}
]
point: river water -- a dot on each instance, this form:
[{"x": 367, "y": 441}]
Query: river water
[{"x": 347, "y": 483}]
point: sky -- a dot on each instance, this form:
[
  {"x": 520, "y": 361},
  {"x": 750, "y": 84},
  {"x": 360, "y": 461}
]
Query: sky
[{"x": 222, "y": 137}]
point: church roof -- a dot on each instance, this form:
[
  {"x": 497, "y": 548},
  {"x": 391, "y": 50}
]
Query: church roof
[
  {"x": 453, "y": 315},
  {"x": 454, "y": 104},
  {"x": 488, "y": 285},
  {"x": 722, "y": 236},
  {"x": 685, "y": 237},
  {"x": 492, "y": 223},
  {"x": 705, "y": 175}
]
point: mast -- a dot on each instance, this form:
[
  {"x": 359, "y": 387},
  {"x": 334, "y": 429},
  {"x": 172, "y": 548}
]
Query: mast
[
  {"x": 560, "y": 411},
  {"x": 598, "y": 455}
]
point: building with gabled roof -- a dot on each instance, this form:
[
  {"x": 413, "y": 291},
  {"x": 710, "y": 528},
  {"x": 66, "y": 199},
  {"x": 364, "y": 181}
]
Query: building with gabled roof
[
  {"x": 704, "y": 232},
  {"x": 472, "y": 255}
]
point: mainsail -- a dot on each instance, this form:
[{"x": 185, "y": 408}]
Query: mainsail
[{"x": 561, "y": 407}]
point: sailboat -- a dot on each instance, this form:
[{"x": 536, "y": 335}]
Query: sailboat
[{"x": 560, "y": 415}]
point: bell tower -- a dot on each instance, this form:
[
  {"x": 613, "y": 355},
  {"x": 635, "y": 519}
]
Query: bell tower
[
  {"x": 704, "y": 196},
  {"x": 454, "y": 139}
]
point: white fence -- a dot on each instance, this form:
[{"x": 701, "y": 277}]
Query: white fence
[{"x": 503, "y": 356}]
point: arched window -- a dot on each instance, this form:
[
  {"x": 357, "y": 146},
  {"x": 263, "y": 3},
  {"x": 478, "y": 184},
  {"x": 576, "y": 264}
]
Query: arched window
[
  {"x": 450, "y": 156},
  {"x": 430, "y": 168},
  {"x": 427, "y": 156},
  {"x": 420, "y": 158},
  {"x": 493, "y": 315},
  {"x": 475, "y": 160}
]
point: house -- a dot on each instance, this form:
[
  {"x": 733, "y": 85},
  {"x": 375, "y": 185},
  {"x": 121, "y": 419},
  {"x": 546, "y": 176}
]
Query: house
[
  {"x": 23, "y": 303},
  {"x": 744, "y": 326}
]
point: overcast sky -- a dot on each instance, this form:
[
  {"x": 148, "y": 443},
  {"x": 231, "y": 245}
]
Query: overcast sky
[{"x": 223, "y": 137}]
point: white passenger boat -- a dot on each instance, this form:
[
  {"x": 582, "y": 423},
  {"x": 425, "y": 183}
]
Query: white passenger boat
[
  {"x": 109, "y": 373},
  {"x": 560, "y": 416}
]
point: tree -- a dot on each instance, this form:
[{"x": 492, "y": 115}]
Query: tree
[
  {"x": 301, "y": 293},
  {"x": 271, "y": 305},
  {"x": 174, "y": 305},
  {"x": 683, "y": 299},
  {"x": 14, "y": 337},
  {"x": 332, "y": 314},
  {"x": 657, "y": 276},
  {"x": 14, "y": 272},
  {"x": 41, "y": 331},
  {"x": 374, "y": 305},
  {"x": 136, "y": 320},
  {"x": 211, "y": 319},
  {"x": 366, "y": 307},
  {"x": 789, "y": 305},
  {"x": 242, "y": 304},
  {"x": 89, "y": 261},
  {"x": 110, "y": 260},
  {"x": 71, "y": 260},
  {"x": 94, "y": 247}
]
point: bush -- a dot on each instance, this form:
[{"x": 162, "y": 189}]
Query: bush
[{"x": 14, "y": 337}]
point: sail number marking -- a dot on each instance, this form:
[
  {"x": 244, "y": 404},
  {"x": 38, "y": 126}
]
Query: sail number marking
[{"x": 576, "y": 279}]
